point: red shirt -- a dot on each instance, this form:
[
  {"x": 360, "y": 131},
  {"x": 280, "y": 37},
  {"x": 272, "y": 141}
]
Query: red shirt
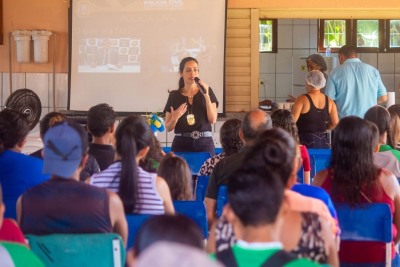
[
  {"x": 10, "y": 231},
  {"x": 306, "y": 158}
]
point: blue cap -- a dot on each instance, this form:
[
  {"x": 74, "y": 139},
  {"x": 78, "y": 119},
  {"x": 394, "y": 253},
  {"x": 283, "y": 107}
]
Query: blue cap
[{"x": 62, "y": 150}]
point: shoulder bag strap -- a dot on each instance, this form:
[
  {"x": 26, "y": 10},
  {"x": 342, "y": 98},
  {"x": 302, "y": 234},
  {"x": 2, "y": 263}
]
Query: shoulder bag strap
[{"x": 226, "y": 257}]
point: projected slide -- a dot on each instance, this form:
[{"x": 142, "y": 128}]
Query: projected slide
[{"x": 127, "y": 52}]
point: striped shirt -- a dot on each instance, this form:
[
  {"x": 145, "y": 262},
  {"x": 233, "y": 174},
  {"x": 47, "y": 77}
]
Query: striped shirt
[{"x": 149, "y": 200}]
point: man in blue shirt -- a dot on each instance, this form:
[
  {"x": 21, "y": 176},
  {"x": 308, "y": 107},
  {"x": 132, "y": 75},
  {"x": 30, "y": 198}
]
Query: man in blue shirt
[{"x": 354, "y": 86}]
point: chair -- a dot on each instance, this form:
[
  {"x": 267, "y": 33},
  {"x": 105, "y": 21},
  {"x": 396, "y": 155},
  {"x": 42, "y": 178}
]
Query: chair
[
  {"x": 194, "y": 159},
  {"x": 196, "y": 211},
  {"x": 372, "y": 222},
  {"x": 222, "y": 199},
  {"x": 319, "y": 159},
  {"x": 105, "y": 249},
  {"x": 135, "y": 221},
  {"x": 201, "y": 187},
  {"x": 300, "y": 175}
]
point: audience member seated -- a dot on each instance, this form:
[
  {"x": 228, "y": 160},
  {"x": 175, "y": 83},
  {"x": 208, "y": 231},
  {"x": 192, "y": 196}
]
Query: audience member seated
[
  {"x": 48, "y": 121},
  {"x": 254, "y": 122},
  {"x": 384, "y": 158},
  {"x": 353, "y": 178},
  {"x": 230, "y": 142},
  {"x": 178, "y": 176},
  {"x": 283, "y": 119},
  {"x": 394, "y": 111},
  {"x": 256, "y": 206},
  {"x": 308, "y": 230},
  {"x": 152, "y": 159},
  {"x": 17, "y": 255},
  {"x": 18, "y": 172},
  {"x": 171, "y": 228},
  {"x": 63, "y": 204},
  {"x": 140, "y": 191},
  {"x": 100, "y": 123},
  {"x": 9, "y": 230}
]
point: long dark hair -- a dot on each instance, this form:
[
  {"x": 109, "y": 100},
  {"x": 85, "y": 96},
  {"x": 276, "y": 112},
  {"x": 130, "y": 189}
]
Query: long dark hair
[
  {"x": 14, "y": 127},
  {"x": 229, "y": 136},
  {"x": 352, "y": 159},
  {"x": 394, "y": 112},
  {"x": 132, "y": 135},
  {"x": 381, "y": 117},
  {"x": 181, "y": 82},
  {"x": 283, "y": 119}
]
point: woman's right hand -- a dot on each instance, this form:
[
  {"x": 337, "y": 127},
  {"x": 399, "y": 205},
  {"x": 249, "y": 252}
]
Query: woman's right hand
[{"x": 177, "y": 113}]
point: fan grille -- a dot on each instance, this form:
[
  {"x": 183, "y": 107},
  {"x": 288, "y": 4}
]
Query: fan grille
[{"x": 27, "y": 102}]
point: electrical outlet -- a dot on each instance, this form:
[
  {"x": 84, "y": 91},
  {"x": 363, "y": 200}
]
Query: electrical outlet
[{"x": 261, "y": 82}]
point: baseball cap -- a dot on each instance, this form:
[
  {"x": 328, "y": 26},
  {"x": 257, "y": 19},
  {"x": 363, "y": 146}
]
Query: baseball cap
[{"x": 62, "y": 150}]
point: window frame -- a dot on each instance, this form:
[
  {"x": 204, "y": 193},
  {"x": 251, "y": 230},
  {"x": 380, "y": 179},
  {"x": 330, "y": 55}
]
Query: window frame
[
  {"x": 274, "y": 35},
  {"x": 382, "y": 35},
  {"x": 321, "y": 35},
  {"x": 386, "y": 41}
]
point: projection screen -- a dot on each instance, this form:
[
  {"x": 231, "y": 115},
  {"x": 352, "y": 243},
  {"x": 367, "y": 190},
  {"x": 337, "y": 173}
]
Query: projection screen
[{"x": 126, "y": 52}]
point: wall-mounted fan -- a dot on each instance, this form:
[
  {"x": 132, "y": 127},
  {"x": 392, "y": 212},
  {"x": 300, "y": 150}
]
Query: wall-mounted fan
[{"x": 27, "y": 102}]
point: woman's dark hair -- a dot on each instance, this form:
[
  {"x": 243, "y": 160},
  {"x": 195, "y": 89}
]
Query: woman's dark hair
[
  {"x": 151, "y": 161},
  {"x": 178, "y": 176},
  {"x": 381, "y": 117},
  {"x": 172, "y": 228},
  {"x": 352, "y": 160},
  {"x": 283, "y": 118},
  {"x": 181, "y": 82},
  {"x": 132, "y": 135},
  {"x": 394, "y": 112},
  {"x": 14, "y": 127},
  {"x": 49, "y": 120},
  {"x": 229, "y": 136}
]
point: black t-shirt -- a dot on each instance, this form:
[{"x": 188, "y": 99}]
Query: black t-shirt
[
  {"x": 198, "y": 109},
  {"x": 104, "y": 154}
]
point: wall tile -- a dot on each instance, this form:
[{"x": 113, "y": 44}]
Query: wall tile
[
  {"x": 388, "y": 81},
  {"x": 18, "y": 82},
  {"x": 301, "y": 53},
  {"x": 39, "y": 83},
  {"x": 386, "y": 63},
  {"x": 313, "y": 21},
  {"x": 397, "y": 85},
  {"x": 284, "y": 61},
  {"x": 301, "y": 36},
  {"x": 301, "y": 21},
  {"x": 285, "y": 36},
  {"x": 397, "y": 63},
  {"x": 314, "y": 36},
  {"x": 285, "y": 22},
  {"x": 369, "y": 58},
  {"x": 283, "y": 85},
  {"x": 61, "y": 91},
  {"x": 268, "y": 89},
  {"x": 267, "y": 62}
]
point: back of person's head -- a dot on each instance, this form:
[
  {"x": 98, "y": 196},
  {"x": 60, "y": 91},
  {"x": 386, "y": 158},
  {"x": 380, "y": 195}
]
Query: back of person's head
[
  {"x": 318, "y": 60},
  {"x": 394, "y": 111},
  {"x": 49, "y": 120},
  {"x": 152, "y": 159},
  {"x": 348, "y": 51},
  {"x": 316, "y": 79},
  {"x": 132, "y": 135},
  {"x": 173, "y": 228},
  {"x": 283, "y": 119},
  {"x": 178, "y": 176},
  {"x": 255, "y": 122},
  {"x": 100, "y": 118},
  {"x": 381, "y": 118},
  {"x": 353, "y": 146},
  {"x": 229, "y": 136},
  {"x": 14, "y": 127},
  {"x": 255, "y": 191},
  {"x": 65, "y": 144}
]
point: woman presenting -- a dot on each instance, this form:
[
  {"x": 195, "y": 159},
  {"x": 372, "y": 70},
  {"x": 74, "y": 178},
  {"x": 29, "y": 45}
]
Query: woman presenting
[{"x": 190, "y": 111}]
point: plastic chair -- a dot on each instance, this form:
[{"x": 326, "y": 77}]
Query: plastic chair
[
  {"x": 196, "y": 211},
  {"x": 370, "y": 222},
  {"x": 319, "y": 159},
  {"x": 222, "y": 199},
  {"x": 194, "y": 159},
  {"x": 135, "y": 221},
  {"x": 201, "y": 187},
  {"x": 300, "y": 175},
  {"x": 105, "y": 249}
]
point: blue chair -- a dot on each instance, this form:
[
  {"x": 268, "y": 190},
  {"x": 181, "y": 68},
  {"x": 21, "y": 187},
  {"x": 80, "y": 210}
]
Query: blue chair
[
  {"x": 222, "y": 199},
  {"x": 319, "y": 159},
  {"x": 201, "y": 187},
  {"x": 196, "y": 211},
  {"x": 59, "y": 250},
  {"x": 300, "y": 175},
  {"x": 135, "y": 221},
  {"x": 194, "y": 159},
  {"x": 372, "y": 222}
]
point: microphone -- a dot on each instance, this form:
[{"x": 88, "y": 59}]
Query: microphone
[{"x": 202, "y": 89}]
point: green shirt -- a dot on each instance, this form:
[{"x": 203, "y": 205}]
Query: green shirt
[
  {"x": 13, "y": 254},
  {"x": 395, "y": 152}
]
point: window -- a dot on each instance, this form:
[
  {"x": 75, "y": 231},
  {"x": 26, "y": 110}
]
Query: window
[
  {"x": 268, "y": 35},
  {"x": 367, "y": 35}
]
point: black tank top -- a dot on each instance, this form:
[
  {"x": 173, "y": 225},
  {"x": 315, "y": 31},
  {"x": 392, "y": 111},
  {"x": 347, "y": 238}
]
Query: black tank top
[
  {"x": 65, "y": 206},
  {"x": 315, "y": 120}
]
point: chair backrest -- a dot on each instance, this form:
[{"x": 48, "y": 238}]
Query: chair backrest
[
  {"x": 105, "y": 249},
  {"x": 201, "y": 187},
  {"x": 196, "y": 211},
  {"x": 370, "y": 222},
  {"x": 319, "y": 159},
  {"x": 222, "y": 199},
  {"x": 135, "y": 221},
  {"x": 300, "y": 175},
  {"x": 194, "y": 159}
]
